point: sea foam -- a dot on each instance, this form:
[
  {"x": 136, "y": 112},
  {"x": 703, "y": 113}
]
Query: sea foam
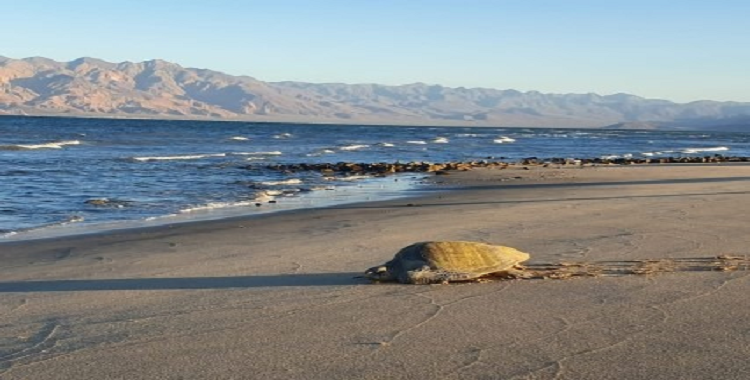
[
  {"x": 271, "y": 153},
  {"x": 320, "y": 153},
  {"x": 350, "y": 178},
  {"x": 292, "y": 181},
  {"x": 50, "y": 145},
  {"x": 186, "y": 157},
  {"x": 503, "y": 140},
  {"x": 616, "y": 156},
  {"x": 686, "y": 151},
  {"x": 699, "y": 150},
  {"x": 216, "y": 205},
  {"x": 354, "y": 147}
]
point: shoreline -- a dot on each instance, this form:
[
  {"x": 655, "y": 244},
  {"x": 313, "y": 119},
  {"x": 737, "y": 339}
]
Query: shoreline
[
  {"x": 421, "y": 191},
  {"x": 276, "y": 296},
  {"x": 413, "y": 183},
  {"x": 354, "y": 192}
]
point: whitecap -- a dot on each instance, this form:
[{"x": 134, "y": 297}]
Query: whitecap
[
  {"x": 50, "y": 145},
  {"x": 292, "y": 181},
  {"x": 185, "y": 157},
  {"x": 272, "y": 153},
  {"x": 8, "y": 234},
  {"x": 416, "y": 142},
  {"x": 699, "y": 150},
  {"x": 283, "y": 136},
  {"x": 320, "y": 153},
  {"x": 239, "y": 138},
  {"x": 351, "y": 178},
  {"x": 354, "y": 147},
  {"x": 263, "y": 198},
  {"x": 385, "y": 144},
  {"x": 615, "y": 156},
  {"x": 216, "y": 205},
  {"x": 440, "y": 140},
  {"x": 503, "y": 140}
]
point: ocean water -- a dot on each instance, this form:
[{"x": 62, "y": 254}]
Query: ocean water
[{"x": 57, "y": 173}]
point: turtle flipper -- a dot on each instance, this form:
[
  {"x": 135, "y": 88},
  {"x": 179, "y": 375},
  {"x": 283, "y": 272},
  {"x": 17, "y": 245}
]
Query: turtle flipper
[
  {"x": 430, "y": 276},
  {"x": 517, "y": 272}
]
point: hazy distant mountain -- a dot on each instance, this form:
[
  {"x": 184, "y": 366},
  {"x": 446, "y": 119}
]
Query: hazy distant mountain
[
  {"x": 740, "y": 123},
  {"x": 159, "y": 89}
]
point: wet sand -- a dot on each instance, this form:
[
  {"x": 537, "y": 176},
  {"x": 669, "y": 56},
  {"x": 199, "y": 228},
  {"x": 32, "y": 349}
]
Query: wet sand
[{"x": 275, "y": 296}]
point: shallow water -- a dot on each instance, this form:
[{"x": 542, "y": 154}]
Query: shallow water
[{"x": 160, "y": 171}]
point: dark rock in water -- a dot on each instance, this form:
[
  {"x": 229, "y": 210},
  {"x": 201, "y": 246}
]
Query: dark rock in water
[
  {"x": 106, "y": 202},
  {"x": 381, "y": 169}
]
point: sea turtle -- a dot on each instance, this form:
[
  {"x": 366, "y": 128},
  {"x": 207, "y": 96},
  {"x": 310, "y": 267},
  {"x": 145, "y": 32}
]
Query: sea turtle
[{"x": 445, "y": 261}]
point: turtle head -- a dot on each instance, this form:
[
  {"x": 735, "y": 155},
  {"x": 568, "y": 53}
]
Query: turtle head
[{"x": 380, "y": 273}]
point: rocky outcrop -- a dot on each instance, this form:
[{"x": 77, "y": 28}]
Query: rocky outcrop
[{"x": 383, "y": 169}]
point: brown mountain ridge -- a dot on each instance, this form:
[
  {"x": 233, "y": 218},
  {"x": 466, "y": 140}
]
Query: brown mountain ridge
[{"x": 160, "y": 89}]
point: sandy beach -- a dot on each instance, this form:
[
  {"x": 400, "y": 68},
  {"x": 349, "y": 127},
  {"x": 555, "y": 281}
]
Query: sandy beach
[{"x": 277, "y": 296}]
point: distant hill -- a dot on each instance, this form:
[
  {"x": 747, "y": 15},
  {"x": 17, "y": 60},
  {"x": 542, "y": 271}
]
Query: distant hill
[
  {"x": 160, "y": 89},
  {"x": 739, "y": 123}
]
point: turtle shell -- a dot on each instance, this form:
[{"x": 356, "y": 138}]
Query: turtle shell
[{"x": 463, "y": 256}]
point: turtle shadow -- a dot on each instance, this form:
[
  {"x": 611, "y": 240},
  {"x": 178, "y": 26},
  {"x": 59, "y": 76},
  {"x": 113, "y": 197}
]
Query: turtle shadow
[
  {"x": 184, "y": 283},
  {"x": 561, "y": 270}
]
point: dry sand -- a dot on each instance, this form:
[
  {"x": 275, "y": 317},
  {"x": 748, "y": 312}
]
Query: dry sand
[{"x": 273, "y": 297}]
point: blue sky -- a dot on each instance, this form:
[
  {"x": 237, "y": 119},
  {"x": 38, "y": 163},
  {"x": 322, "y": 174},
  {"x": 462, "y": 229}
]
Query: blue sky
[{"x": 679, "y": 50}]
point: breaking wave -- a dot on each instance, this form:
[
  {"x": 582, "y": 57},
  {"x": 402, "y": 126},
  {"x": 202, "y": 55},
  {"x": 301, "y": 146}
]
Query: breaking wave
[
  {"x": 699, "y": 150},
  {"x": 272, "y": 153},
  {"x": 354, "y": 147},
  {"x": 686, "y": 151},
  {"x": 185, "y": 157},
  {"x": 503, "y": 140},
  {"x": 216, "y": 205},
  {"x": 616, "y": 156},
  {"x": 351, "y": 178},
  {"x": 50, "y": 145},
  {"x": 293, "y": 181},
  {"x": 67, "y": 221}
]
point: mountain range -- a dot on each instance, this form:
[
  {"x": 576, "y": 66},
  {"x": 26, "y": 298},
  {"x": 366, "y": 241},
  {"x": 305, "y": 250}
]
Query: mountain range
[{"x": 160, "y": 89}]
